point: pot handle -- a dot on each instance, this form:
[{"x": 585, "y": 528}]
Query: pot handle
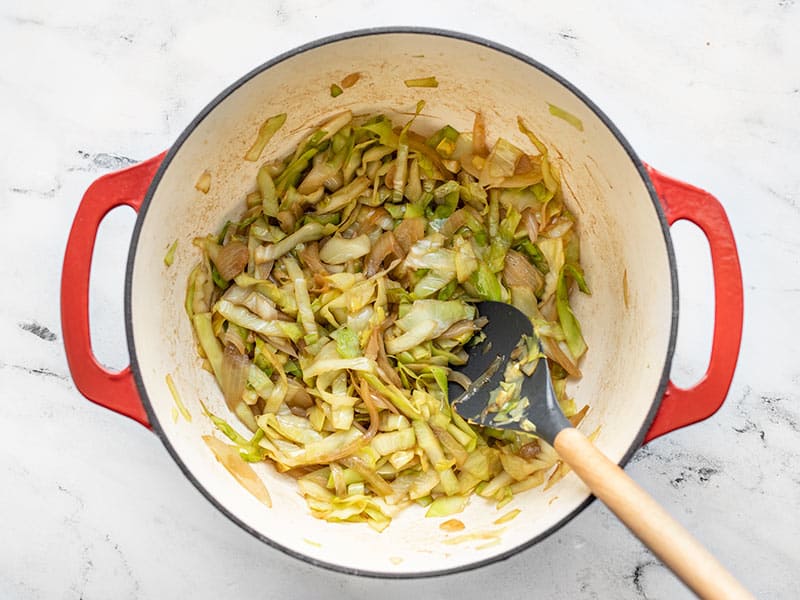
[
  {"x": 681, "y": 407},
  {"x": 116, "y": 391}
]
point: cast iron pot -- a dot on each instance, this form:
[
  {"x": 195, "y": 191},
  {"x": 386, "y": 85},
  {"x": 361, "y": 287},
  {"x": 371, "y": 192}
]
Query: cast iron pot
[{"x": 624, "y": 209}]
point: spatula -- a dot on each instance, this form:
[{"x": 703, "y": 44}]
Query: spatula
[{"x": 668, "y": 540}]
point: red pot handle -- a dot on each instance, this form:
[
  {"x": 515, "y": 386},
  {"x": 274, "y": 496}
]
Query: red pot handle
[
  {"x": 116, "y": 391},
  {"x": 681, "y": 407}
]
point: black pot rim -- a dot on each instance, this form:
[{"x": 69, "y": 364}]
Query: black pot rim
[{"x": 638, "y": 165}]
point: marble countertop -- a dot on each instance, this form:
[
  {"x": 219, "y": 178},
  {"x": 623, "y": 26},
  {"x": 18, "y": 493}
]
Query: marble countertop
[{"x": 93, "y": 506}]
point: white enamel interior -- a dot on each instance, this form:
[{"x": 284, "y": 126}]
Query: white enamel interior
[{"x": 619, "y": 228}]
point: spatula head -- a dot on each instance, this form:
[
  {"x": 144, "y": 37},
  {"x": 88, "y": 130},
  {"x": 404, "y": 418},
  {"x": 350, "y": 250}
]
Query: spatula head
[{"x": 486, "y": 369}]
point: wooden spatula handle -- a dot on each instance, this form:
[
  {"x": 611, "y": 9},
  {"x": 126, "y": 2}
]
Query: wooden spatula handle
[{"x": 667, "y": 538}]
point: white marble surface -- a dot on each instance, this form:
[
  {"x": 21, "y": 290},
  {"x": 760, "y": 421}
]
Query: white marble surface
[{"x": 92, "y": 505}]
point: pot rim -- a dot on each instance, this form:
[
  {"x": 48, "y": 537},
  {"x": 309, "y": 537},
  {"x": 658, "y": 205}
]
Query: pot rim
[{"x": 637, "y": 164}]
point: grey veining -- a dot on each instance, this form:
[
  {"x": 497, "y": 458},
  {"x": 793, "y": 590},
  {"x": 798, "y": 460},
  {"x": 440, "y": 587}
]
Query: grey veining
[{"x": 92, "y": 504}]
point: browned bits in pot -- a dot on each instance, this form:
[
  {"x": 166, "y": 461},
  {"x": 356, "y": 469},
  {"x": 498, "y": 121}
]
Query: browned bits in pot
[{"x": 350, "y": 80}]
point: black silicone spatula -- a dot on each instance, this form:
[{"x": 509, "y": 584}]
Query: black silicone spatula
[{"x": 667, "y": 538}]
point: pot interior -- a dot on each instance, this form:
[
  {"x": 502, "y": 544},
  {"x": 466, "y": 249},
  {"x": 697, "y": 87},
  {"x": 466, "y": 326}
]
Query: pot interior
[{"x": 626, "y": 321}]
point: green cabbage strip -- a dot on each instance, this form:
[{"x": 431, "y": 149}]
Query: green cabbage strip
[
  {"x": 569, "y": 324},
  {"x": 265, "y": 133}
]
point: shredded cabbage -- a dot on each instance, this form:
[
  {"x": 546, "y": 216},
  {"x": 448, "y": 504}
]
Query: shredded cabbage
[{"x": 367, "y": 249}]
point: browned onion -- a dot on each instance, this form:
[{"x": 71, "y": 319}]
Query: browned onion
[
  {"x": 233, "y": 375},
  {"x": 231, "y": 259},
  {"x": 386, "y": 245},
  {"x": 321, "y": 172},
  {"x": 531, "y": 225},
  {"x": 232, "y": 338},
  {"x": 518, "y": 271},
  {"x": 524, "y": 165},
  {"x": 409, "y": 232},
  {"x": 459, "y": 378},
  {"x": 553, "y": 351},
  {"x": 286, "y": 220},
  {"x": 282, "y": 344},
  {"x": 376, "y": 350},
  {"x": 298, "y": 397},
  {"x": 374, "y": 218},
  {"x": 459, "y": 328}
]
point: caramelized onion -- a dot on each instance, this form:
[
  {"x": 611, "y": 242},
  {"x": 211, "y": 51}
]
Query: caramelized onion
[
  {"x": 553, "y": 351},
  {"x": 309, "y": 256},
  {"x": 458, "y": 219},
  {"x": 409, "y": 232},
  {"x": 464, "y": 326},
  {"x": 374, "y": 218},
  {"x": 283, "y": 345},
  {"x": 233, "y": 376},
  {"x": 518, "y": 271},
  {"x": 286, "y": 220},
  {"x": 531, "y": 225},
  {"x": 297, "y": 396},
  {"x": 232, "y": 338},
  {"x": 232, "y": 259},
  {"x": 386, "y": 245},
  {"x": 459, "y": 378}
]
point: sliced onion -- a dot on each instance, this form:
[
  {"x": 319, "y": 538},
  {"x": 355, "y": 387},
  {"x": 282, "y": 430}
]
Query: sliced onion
[
  {"x": 560, "y": 227},
  {"x": 553, "y": 351},
  {"x": 232, "y": 259},
  {"x": 454, "y": 222},
  {"x": 409, "y": 232},
  {"x": 376, "y": 350},
  {"x": 374, "y": 218},
  {"x": 458, "y": 219},
  {"x": 386, "y": 245},
  {"x": 232, "y": 338},
  {"x": 263, "y": 307},
  {"x": 297, "y": 396},
  {"x": 233, "y": 376},
  {"x": 518, "y": 271},
  {"x": 283, "y": 345},
  {"x": 459, "y": 378},
  {"x": 334, "y": 182},
  {"x": 231, "y": 459},
  {"x": 317, "y": 176},
  {"x": 459, "y": 328},
  {"x": 286, "y": 220},
  {"x": 309, "y": 256},
  {"x": 531, "y": 224}
]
